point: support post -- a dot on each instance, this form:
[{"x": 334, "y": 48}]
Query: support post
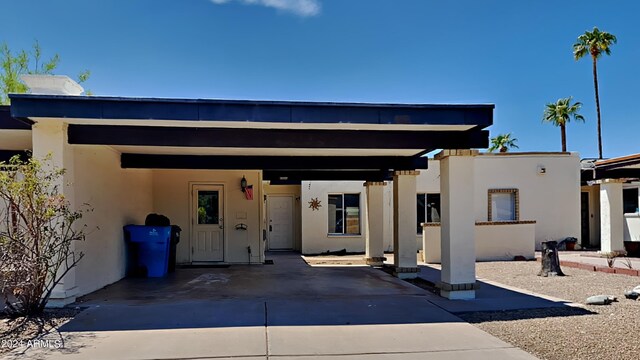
[
  {"x": 374, "y": 222},
  {"x": 405, "y": 246},
  {"x": 50, "y": 137},
  {"x": 458, "y": 275},
  {"x": 611, "y": 217}
]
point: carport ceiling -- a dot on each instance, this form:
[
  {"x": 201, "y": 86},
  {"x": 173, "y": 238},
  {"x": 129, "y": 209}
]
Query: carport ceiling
[{"x": 286, "y": 139}]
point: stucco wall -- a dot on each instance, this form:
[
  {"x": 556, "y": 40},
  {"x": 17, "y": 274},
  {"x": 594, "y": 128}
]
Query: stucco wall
[
  {"x": 493, "y": 242},
  {"x": 551, "y": 199},
  {"x": 293, "y": 190},
  {"x": 172, "y": 188},
  {"x": 315, "y": 222},
  {"x": 118, "y": 197}
]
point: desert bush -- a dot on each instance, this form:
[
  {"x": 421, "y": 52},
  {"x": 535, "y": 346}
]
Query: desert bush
[{"x": 38, "y": 229}]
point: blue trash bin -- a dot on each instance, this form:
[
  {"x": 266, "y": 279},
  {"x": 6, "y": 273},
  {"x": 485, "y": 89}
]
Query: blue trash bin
[{"x": 152, "y": 247}]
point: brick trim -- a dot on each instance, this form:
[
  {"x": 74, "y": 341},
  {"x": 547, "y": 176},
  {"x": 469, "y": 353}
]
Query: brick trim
[
  {"x": 486, "y": 223},
  {"x": 405, "y": 270},
  {"x": 406, "y": 172},
  {"x": 596, "y": 268},
  {"x": 455, "y": 152},
  {"x": 374, "y": 183},
  {"x": 457, "y": 287},
  {"x": 503, "y": 191}
]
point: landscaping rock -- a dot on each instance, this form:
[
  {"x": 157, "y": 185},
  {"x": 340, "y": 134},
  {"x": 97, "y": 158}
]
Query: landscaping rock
[
  {"x": 601, "y": 300},
  {"x": 631, "y": 294}
]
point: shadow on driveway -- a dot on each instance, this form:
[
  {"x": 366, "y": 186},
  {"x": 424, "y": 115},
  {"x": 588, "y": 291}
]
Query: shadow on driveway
[{"x": 288, "y": 293}]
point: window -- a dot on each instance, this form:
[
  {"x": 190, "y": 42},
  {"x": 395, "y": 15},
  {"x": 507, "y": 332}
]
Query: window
[
  {"x": 344, "y": 214},
  {"x": 630, "y": 200},
  {"x": 208, "y": 209},
  {"x": 503, "y": 205},
  {"x": 428, "y": 209}
]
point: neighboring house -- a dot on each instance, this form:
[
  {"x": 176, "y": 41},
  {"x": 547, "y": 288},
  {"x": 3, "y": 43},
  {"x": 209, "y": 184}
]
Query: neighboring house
[
  {"x": 202, "y": 163},
  {"x": 521, "y": 200},
  {"x": 609, "y": 204}
]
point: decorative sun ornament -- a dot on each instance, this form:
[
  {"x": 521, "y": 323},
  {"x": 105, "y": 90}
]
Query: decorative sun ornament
[{"x": 314, "y": 204}]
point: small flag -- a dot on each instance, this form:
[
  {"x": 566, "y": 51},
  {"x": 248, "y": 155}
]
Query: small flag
[{"x": 249, "y": 192}]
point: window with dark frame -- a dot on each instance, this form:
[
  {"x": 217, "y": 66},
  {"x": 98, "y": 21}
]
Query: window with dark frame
[
  {"x": 504, "y": 205},
  {"x": 630, "y": 200},
  {"x": 344, "y": 214},
  {"x": 428, "y": 210}
]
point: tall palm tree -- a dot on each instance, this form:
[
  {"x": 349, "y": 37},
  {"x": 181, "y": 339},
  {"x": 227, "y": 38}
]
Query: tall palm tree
[
  {"x": 560, "y": 113},
  {"x": 594, "y": 43},
  {"x": 503, "y": 143}
]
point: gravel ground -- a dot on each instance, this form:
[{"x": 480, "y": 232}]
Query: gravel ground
[
  {"x": 591, "y": 332},
  {"x": 20, "y": 331}
]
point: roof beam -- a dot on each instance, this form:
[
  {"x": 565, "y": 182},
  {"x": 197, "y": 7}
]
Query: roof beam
[
  {"x": 275, "y": 138},
  {"x": 152, "y": 161},
  {"x": 286, "y": 177}
]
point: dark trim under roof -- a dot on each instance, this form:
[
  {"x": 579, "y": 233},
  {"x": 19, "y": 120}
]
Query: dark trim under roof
[
  {"x": 614, "y": 168},
  {"x": 7, "y": 122},
  {"x": 94, "y": 107},
  {"x": 153, "y": 161},
  {"x": 618, "y": 162},
  {"x": 275, "y": 138}
]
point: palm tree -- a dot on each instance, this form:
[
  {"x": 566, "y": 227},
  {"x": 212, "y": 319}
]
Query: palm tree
[
  {"x": 560, "y": 113},
  {"x": 595, "y": 43},
  {"x": 503, "y": 142}
]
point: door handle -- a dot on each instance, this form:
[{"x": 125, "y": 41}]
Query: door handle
[{"x": 270, "y": 228}]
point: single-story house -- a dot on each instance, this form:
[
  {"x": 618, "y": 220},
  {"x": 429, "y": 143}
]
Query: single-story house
[
  {"x": 202, "y": 163},
  {"x": 521, "y": 200},
  {"x": 610, "y": 214}
]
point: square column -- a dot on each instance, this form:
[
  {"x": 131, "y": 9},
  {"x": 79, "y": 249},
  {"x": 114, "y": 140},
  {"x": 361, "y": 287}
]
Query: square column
[
  {"x": 458, "y": 257},
  {"x": 611, "y": 217},
  {"x": 50, "y": 138},
  {"x": 374, "y": 223},
  {"x": 405, "y": 213}
]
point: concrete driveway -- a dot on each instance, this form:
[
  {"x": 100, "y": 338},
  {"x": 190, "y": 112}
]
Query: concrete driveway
[{"x": 288, "y": 310}]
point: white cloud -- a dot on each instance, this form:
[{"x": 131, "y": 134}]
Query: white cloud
[{"x": 302, "y": 8}]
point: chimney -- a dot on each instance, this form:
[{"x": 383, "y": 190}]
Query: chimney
[{"x": 52, "y": 85}]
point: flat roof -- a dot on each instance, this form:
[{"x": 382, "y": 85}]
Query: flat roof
[
  {"x": 287, "y": 139},
  {"x": 26, "y": 106}
]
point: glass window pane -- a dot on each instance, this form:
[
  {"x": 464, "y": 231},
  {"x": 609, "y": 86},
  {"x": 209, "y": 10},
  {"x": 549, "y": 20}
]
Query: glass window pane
[
  {"x": 433, "y": 207},
  {"x": 208, "y": 209},
  {"x": 335, "y": 214},
  {"x": 630, "y": 200},
  {"x": 503, "y": 207},
  {"x": 421, "y": 212},
  {"x": 352, "y": 213}
]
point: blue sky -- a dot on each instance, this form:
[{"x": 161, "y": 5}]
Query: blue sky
[{"x": 514, "y": 54}]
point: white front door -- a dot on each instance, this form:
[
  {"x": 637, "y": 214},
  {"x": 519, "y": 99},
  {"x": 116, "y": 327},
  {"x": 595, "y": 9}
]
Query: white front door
[
  {"x": 280, "y": 222},
  {"x": 207, "y": 232}
]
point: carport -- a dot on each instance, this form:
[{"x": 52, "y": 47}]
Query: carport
[{"x": 115, "y": 148}]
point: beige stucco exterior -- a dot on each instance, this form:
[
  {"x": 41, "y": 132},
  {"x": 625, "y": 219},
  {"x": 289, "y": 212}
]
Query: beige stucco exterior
[
  {"x": 118, "y": 197},
  {"x": 293, "y": 191},
  {"x": 551, "y": 198},
  {"x": 494, "y": 242},
  {"x": 172, "y": 198},
  {"x": 125, "y": 196}
]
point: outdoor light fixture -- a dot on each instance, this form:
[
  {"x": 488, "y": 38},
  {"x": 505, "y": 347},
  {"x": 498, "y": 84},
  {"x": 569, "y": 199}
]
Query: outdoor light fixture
[{"x": 243, "y": 184}]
